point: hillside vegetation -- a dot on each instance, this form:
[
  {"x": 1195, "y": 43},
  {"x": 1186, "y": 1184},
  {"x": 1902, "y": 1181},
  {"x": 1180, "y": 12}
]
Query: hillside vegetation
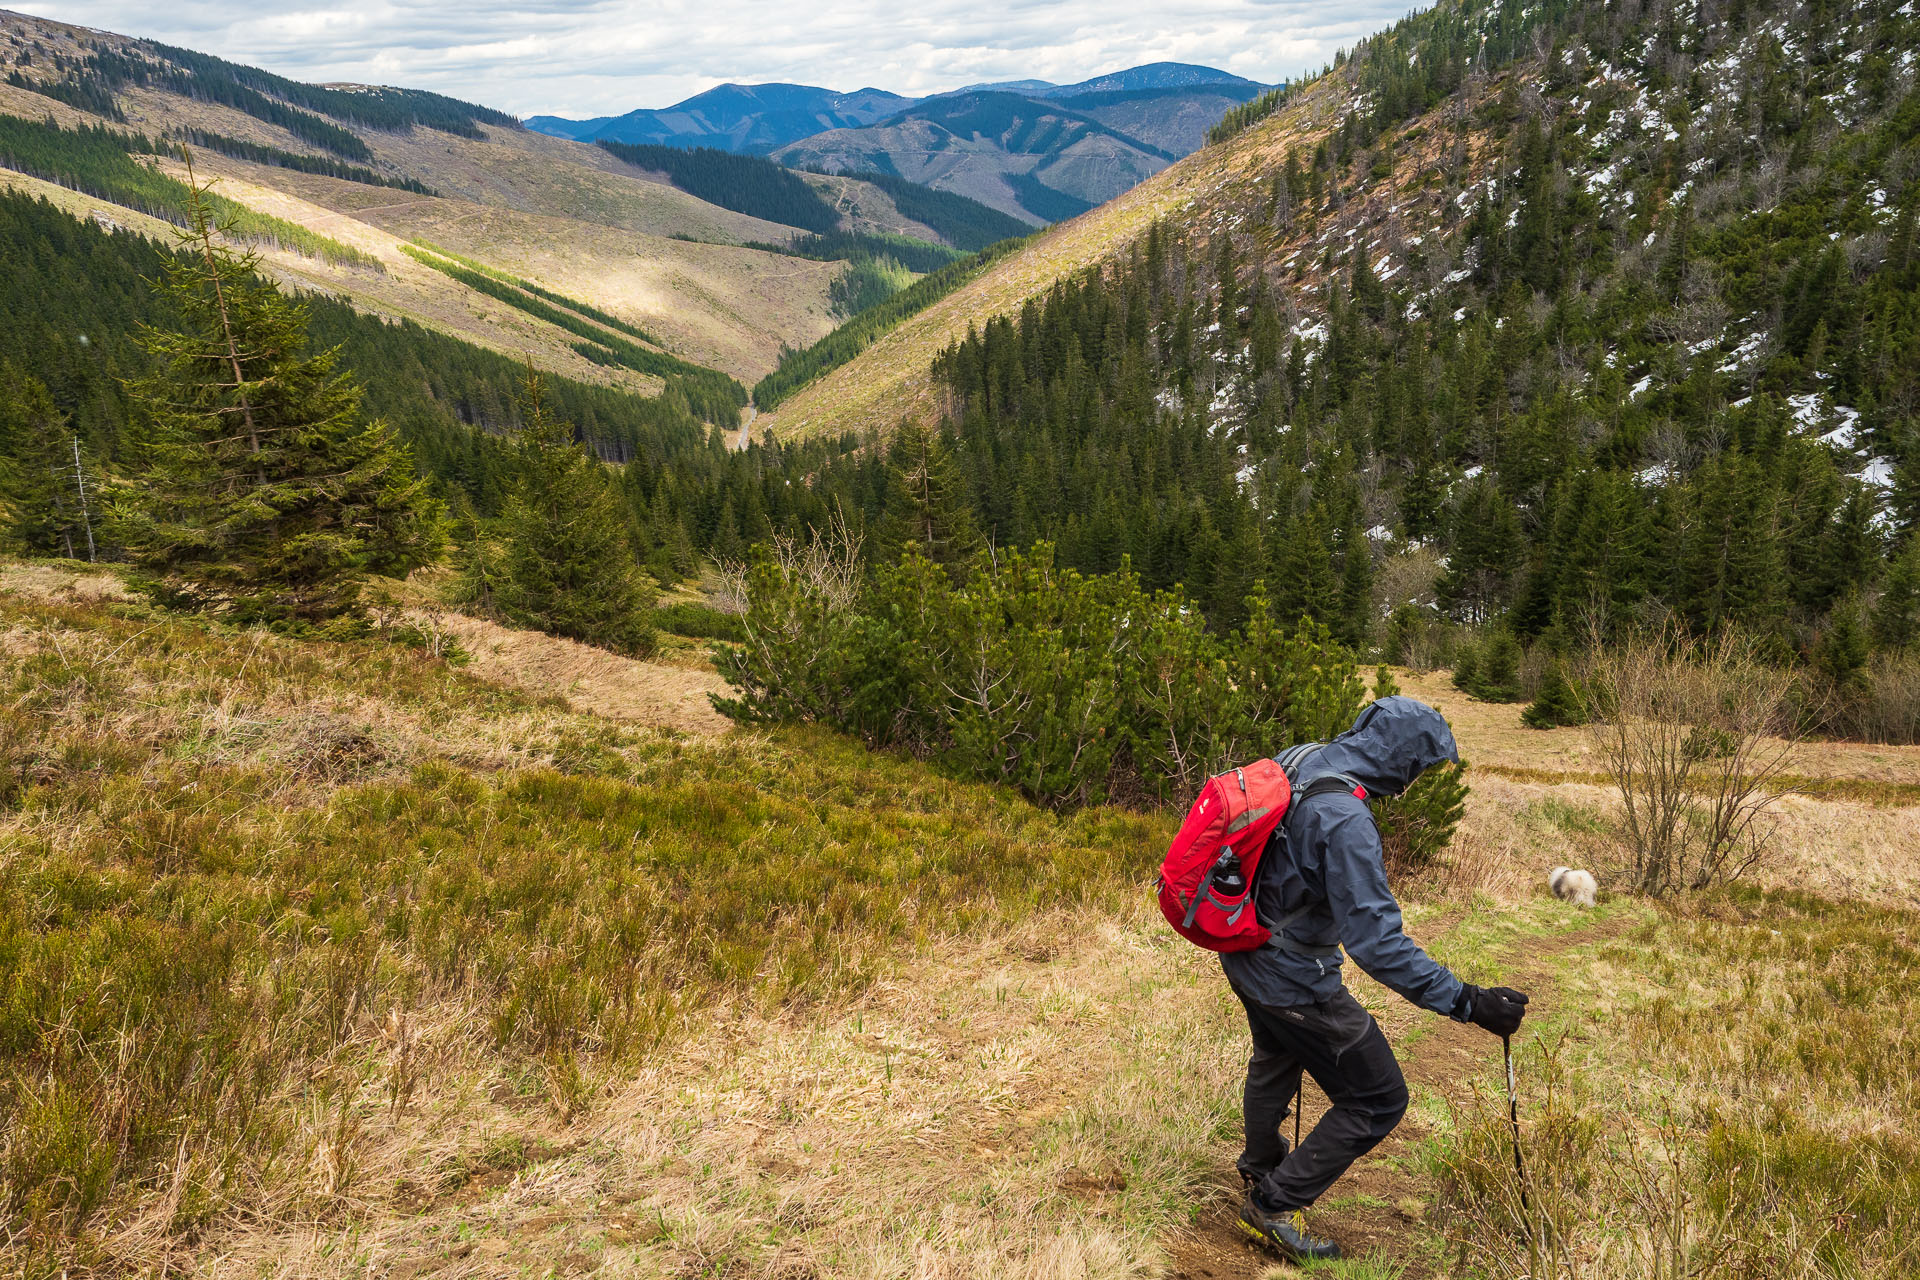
[
  {"x": 455, "y": 973},
  {"x": 344, "y": 936},
  {"x": 314, "y": 151},
  {"x": 1610, "y": 325}
]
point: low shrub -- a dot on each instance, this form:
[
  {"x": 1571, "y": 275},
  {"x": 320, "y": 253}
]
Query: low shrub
[
  {"x": 699, "y": 622},
  {"x": 1072, "y": 689}
]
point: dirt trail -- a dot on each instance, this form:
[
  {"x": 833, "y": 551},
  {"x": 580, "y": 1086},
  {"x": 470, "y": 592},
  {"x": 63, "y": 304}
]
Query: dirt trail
[
  {"x": 1377, "y": 1209},
  {"x": 590, "y": 679}
]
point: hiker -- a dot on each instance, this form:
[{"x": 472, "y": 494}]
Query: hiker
[{"x": 1321, "y": 882}]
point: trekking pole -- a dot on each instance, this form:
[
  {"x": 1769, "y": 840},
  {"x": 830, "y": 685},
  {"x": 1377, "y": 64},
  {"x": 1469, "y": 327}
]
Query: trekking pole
[{"x": 1513, "y": 1118}]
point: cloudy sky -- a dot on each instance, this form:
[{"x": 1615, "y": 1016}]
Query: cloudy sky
[{"x": 604, "y": 57}]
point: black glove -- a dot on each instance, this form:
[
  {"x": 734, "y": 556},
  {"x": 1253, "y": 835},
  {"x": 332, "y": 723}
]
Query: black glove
[{"x": 1497, "y": 1009}]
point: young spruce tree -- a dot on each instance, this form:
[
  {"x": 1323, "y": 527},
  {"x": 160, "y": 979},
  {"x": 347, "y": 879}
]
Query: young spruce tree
[
  {"x": 569, "y": 565},
  {"x": 45, "y": 476},
  {"x": 265, "y": 495},
  {"x": 928, "y": 505}
]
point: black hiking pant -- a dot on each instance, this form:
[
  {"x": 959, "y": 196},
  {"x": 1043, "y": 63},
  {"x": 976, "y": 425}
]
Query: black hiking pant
[{"x": 1340, "y": 1045}]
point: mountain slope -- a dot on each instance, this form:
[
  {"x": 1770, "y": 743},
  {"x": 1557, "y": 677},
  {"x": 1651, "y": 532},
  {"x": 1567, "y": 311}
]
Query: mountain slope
[
  {"x": 617, "y": 237},
  {"x": 1521, "y": 321},
  {"x": 892, "y": 378},
  {"x": 988, "y": 146}
]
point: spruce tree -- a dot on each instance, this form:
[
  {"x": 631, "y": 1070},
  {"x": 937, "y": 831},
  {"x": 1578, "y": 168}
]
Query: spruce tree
[
  {"x": 1840, "y": 655},
  {"x": 263, "y": 493},
  {"x": 1896, "y": 615},
  {"x": 479, "y": 565},
  {"x": 1556, "y": 704},
  {"x": 569, "y": 565},
  {"x": 928, "y": 505},
  {"x": 45, "y": 476}
]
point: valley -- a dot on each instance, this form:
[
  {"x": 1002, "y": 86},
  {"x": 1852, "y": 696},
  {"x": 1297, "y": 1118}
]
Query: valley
[{"x": 606, "y": 697}]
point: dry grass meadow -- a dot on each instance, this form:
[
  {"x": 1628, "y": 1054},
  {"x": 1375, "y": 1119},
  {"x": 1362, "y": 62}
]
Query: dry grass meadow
[{"x": 336, "y": 958}]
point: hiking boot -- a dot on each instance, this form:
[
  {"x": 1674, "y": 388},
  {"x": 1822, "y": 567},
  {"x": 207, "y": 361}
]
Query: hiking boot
[{"x": 1284, "y": 1232}]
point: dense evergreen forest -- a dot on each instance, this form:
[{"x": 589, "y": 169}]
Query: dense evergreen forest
[
  {"x": 1653, "y": 354},
  {"x": 964, "y": 223},
  {"x": 76, "y": 297},
  {"x": 99, "y": 161},
  {"x": 1658, "y": 353},
  {"x": 752, "y": 185}
]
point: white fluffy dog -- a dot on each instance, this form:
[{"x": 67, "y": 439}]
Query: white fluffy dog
[{"x": 1573, "y": 886}]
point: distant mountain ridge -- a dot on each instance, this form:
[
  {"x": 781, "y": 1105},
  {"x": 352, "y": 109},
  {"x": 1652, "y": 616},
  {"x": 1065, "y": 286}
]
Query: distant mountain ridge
[
  {"x": 1038, "y": 159},
  {"x": 762, "y": 118},
  {"x": 750, "y": 118},
  {"x": 1156, "y": 75}
]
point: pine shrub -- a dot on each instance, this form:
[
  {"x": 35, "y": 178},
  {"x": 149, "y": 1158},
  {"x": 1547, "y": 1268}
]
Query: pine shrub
[
  {"x": 1416, "y": 826},
  {"x": 1074, "y": 689},
  {"x": 1557, "y": 705}
]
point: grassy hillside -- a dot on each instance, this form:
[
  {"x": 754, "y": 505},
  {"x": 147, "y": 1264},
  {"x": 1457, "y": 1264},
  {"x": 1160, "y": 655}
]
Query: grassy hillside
[
  {"x": 325, "y": 956},
  {"x": 728, "y": 309}
]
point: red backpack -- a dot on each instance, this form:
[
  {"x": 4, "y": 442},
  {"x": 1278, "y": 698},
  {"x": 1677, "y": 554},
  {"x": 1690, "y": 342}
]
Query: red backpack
[{"x": 1208, "y": 876}]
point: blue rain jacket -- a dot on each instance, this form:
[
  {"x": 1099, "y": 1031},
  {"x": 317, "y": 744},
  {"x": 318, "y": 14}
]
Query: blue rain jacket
[{"x": 1330, "y": 863}]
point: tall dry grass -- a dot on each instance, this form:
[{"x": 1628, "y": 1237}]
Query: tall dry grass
[
  {"x": 1738, "y": 1101},
  {"x": 239, "y": 872}
]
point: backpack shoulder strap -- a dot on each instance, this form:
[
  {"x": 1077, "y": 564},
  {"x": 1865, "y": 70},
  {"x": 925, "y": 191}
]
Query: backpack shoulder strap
[
  {"x": 1291, "y": 761},
  {"x": 1293, "y": 757},
  {"x": 1329, "y": 784}
]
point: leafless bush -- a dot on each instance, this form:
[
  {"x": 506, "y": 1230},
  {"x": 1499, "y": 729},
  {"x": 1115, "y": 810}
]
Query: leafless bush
[
  {"x": 827, "y": 562},
  {"x": 1891, "y": 713},
  {"x": 1695, "y": 733}
]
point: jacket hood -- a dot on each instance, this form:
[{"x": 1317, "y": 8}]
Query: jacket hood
[{"x": 1393, "y": 741}]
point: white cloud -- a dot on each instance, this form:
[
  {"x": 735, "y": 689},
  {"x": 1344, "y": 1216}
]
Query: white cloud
[{"x": 604, "y": 57}]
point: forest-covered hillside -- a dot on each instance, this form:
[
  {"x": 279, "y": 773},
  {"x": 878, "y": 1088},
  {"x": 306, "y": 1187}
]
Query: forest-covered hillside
[
  {"x": 79, "y": 297},
  {"x": 1567, "y": 310},
  {"x": 1558, "y": 312}
]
